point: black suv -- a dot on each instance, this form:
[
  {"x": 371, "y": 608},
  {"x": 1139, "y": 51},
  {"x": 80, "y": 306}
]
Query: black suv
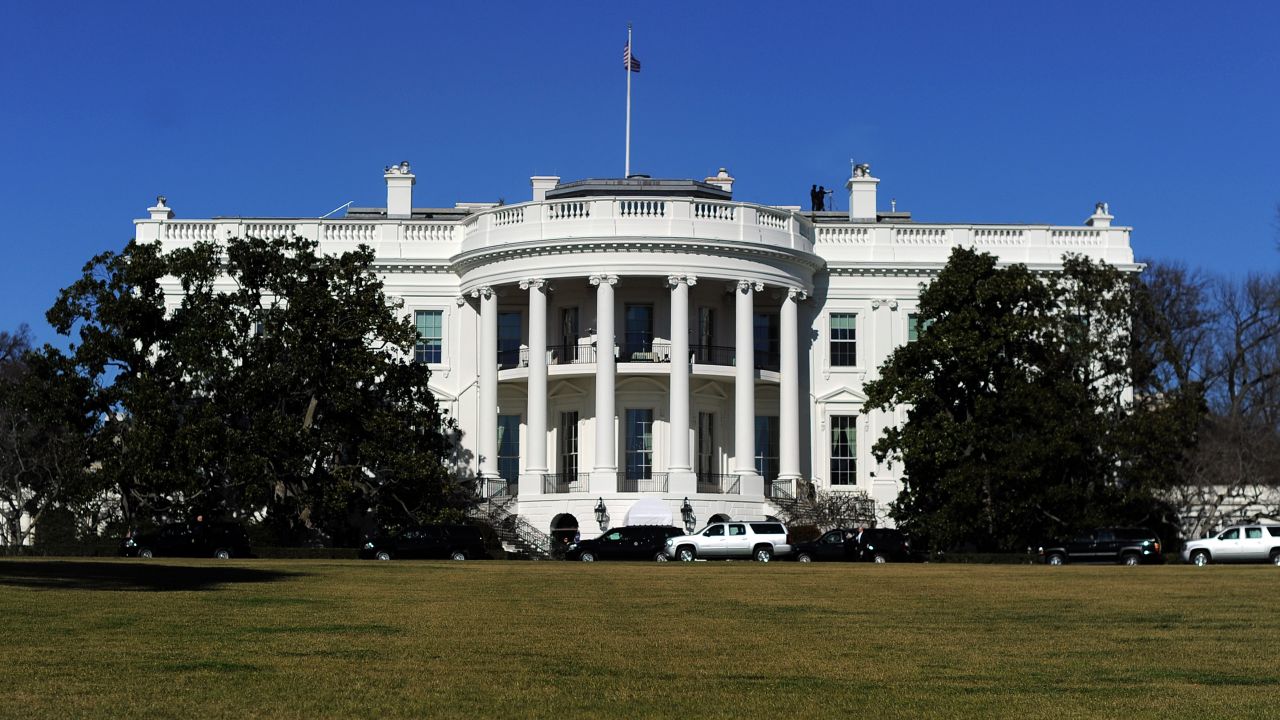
[
  {"x": 455, "y": 542},
  {"x": 879, "y": 545},
  {"x": 1128, "y": 546},
  {"x": 195, "y": 539},
  {"x": 636, "y": 542}
]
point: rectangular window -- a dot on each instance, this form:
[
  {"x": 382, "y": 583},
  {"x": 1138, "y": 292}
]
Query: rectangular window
[
  {"x": 569, "y": 446},
  {"x": 639, "y": 444},
  {"x": 844, "y": 450},
  {"x": 508, "y": 339},
  {"x": 765, "y": 335},
  {"x": 706, "y": 335},
  {"x": 638, "y": 337},
  {"x": 767, "y": 446},
  {"x": 568, "y": 351},
  {"x": 430, "y": 336},
  {"x": 844, "y": 341},
  {"x": 915, "y": 327},
  {"x": 509, "y": 448},
  {"x": 707, "y": 464}
]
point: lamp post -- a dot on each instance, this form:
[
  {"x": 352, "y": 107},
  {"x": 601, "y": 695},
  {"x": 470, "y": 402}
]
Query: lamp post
[
  {"x": 602, "y": 515},
  {"x": 686, "y": 514}
]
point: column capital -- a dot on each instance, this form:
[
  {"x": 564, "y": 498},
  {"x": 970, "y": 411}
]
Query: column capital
[
  {"x": 603, "y": 278},
  {"x": 890, "y": 303},
  {"x": 483, "y": 291},
  {"x": 536, "y": 283},
  {"x": 689, "y": 280},
  {"x": 460, "y": 300},
  {"x": 797, "y": 294},
  {"x": 745, "y": 285}
]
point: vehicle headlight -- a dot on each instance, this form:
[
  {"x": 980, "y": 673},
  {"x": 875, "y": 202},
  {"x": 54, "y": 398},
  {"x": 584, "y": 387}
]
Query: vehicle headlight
[
  {"x": 368, "y": 546},
  {"x": 670, "y": 542}
]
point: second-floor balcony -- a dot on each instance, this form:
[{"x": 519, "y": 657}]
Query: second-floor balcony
[{"x": 652, "y": 352}]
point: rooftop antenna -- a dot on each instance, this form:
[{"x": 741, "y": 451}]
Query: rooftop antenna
[{"x": 343, "y": 206}]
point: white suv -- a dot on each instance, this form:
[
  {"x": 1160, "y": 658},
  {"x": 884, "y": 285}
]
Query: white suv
[
  {"x": 759, "y": 539},
  {"x": 1238, "y": 543}
]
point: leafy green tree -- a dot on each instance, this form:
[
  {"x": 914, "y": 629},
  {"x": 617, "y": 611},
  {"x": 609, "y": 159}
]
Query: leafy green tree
[
  {"x": 280, "y": 380},
  {"x": 44, "y": 423},
  {"x": 1020, "y": 419}
]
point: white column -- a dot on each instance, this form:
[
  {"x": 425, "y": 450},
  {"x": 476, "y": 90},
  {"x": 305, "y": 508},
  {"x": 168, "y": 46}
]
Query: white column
[
  {"x": 535, "y": 463},
  {"x": 789, "y": 389},
  {"x": 744, "y": 406},
  {"x": 604, "y": 474},
  {"x": 681, "y": 478},
  {"x": 488, "y": 361}
]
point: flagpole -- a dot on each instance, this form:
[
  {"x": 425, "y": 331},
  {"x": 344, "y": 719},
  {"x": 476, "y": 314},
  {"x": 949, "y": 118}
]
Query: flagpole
[{"x": 631, "y": 51}]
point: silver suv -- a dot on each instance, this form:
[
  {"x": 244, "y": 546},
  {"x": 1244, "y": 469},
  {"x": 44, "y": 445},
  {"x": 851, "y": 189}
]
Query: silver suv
[
  {"x": 758, "y": 539},
  {"x": 1238, "y": 543}
]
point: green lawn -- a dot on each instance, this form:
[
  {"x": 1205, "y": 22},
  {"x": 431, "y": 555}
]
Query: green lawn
[{"x": 200, "y": 639}]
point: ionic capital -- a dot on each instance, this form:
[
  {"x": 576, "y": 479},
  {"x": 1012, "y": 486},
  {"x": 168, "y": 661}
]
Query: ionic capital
[
  {"x": 890, "y": 303},
  {"x": 535, "y": 283},
  {"x": 603, "y": 278},
  {"x": 745, "y": 285},
  {"x": 460, "y": 300},
  {"x": 483, "y": 291},
  {"x": 796, "y": 294},
  {"x": 689, "y": 280}
]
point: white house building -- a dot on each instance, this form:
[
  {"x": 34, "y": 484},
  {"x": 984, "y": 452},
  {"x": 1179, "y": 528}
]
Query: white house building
[{"x": 635, "y": 347}]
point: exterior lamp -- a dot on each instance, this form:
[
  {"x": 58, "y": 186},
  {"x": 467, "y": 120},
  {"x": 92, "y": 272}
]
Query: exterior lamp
[
  {"x": 602, "y": 515},
  {"x": 686, "y": 514}
]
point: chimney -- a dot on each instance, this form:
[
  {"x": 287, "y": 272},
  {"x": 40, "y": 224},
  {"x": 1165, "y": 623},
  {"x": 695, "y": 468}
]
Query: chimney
[
  {"x": 541, "y": 184},
  {"x": 399, "y": 190},
  {"x": 1101, "y": 216},
  {"x": 862, "y": 193},
  {"x": 722, "y": 180}
]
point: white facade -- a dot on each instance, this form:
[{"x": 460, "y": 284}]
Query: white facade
[{"x": 742, "y": 334}]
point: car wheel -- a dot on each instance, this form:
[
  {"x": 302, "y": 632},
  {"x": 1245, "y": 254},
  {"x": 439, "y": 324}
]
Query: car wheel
[
  {"x": 763, "y": 554},
  {"x": 1275, "y": 557},
  {"x": 661, "y": 557},
  {"x": 145, "y": 553},
  {"x": 382, "y": 555},
  {"x": 879, "y": 559},
  {"x": 457, "y": 555},
  {"x": 1131, "y": 559},
  {"x": 804, "y": 557},
  {"x": 1200, "y": 557},
  {"x": 587, "y": 557},
  {"x": 1056, "y": 559},
  {"x": 686, "y": 554},
  {"x": 222, "y": 554}
]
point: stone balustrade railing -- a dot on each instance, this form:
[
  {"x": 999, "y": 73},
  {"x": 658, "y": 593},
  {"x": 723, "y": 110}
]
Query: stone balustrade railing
[
  {"x": 665, "y": 219},
  {"x": 1011, "y": 243},
  {"x": 621, "y": 217}
]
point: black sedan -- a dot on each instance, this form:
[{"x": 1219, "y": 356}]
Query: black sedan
[
  {"x": 195, "y": 539},
  {"x": 842, "y": 544},
  {"x": 452, "y": 542},
  {"x": 636, "y": 542}
]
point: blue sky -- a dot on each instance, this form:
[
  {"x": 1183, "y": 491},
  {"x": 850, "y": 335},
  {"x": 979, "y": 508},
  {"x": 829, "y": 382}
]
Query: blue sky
[{"x": 982, "y": 112}]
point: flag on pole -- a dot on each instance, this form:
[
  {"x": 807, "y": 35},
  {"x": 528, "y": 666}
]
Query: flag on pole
[{"x": 629, "y": 62}]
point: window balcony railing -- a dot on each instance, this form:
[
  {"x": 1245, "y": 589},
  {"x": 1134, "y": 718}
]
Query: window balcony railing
[
  {"x": 564, "y": 482},
  {"x": 718, "y": 483},
  {"x": 643, "y": 482},
  {"x": 727, "y": 355}
]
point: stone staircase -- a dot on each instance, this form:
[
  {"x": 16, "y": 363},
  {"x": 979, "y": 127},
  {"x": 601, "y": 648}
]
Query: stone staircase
[{"x": 517, "y": 535}]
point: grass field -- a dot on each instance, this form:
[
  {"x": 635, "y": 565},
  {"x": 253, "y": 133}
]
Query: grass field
[{"x": 199, "y": 639}]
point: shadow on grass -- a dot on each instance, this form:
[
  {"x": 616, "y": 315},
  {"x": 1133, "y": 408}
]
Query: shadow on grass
[{"x": 140, "y": 576}]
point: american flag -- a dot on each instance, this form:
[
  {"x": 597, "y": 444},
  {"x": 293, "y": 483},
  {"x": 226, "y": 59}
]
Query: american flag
[{"x": 629, "y": 62}]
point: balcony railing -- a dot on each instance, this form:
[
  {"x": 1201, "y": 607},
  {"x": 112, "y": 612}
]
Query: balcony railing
[
  {"x": 498, "y": 488},
  {"x": 654, "y": 352},
  {"x": 643, "y": 482},
  {"x": 564, "y": 482},
  {"x": 718, "y": 483}
]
